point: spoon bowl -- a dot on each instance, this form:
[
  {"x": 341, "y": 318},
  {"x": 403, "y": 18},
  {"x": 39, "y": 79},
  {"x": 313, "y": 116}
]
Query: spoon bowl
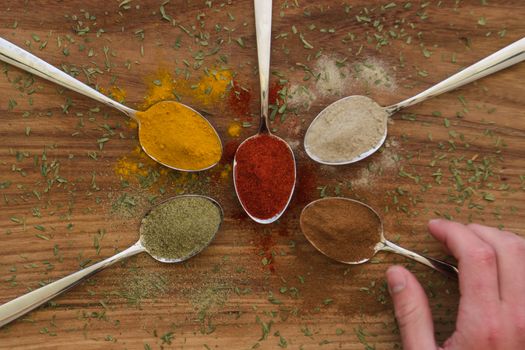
[
  {"x": 319, "y": 152},
  {"x": 333, "y": 240},
  {"x": 27, "y": 302},
  {"x": 156, "y": 154},
  {"x": 263, "y": 27},
  {"x": 24, "y": 60},
  {"x": 350, "y": 104},
  {"x": 236, "y": 184},
  {"x": 193, "y": 253}
]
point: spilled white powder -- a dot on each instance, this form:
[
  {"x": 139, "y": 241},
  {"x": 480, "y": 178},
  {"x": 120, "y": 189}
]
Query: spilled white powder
[
  {"x": 339, "y": 78},
  {"x": 346, "y": 129},
  {"x": 373, "y": 74},
  {"x": 333, "y": 78},
  {"x": 384, "y": 163},
  {"x": 300, "y": 97}
]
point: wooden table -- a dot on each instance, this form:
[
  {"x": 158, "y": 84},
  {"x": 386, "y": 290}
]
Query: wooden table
[{"x": 459, "y": 155}]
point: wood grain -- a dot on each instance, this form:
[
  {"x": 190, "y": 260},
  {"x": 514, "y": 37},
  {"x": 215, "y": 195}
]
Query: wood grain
[{"x": 324, "y": 304}]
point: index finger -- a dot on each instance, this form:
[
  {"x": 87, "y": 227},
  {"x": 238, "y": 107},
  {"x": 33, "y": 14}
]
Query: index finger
[
  {"x": 478, "y": 273},
  {"x": 510, "y": 253}
]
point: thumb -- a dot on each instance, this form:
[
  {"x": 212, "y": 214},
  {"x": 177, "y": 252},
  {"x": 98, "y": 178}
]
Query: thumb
[{"x": 411, "y": 308}]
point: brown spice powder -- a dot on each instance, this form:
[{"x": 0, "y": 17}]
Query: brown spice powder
[{"x": 342, "y": 229}]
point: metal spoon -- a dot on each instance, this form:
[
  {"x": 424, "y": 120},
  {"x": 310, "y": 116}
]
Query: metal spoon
[
  {"x": 27, "y": 302},
  {"x": 24, "y": 60},
  {"x": 508, "y": 56},
  {"x": 263, "y": 27},
  {"x": 315, "y": 237}
]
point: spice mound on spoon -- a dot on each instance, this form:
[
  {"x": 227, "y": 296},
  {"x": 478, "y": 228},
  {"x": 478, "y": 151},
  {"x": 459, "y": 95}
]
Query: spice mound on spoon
[
  {"x": 173, "y": 231},
  {"x": 355, "y": 127},
  {"x": 180, "y": 228},
  {"x": 351, "y": 232},
  {"x": 171, "y": 133},
  {"x": 264, "y": 171},
  {"x": 352, "y": 127},
  {"x": 264, "y": 164}
]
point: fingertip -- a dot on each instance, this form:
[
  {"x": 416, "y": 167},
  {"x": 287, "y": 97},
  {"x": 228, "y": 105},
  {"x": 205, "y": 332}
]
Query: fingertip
[
  {"x": 395, "y": 269},
  {"x": 396, "y": 279},
  {"x": 401, "y": 280},
  {"x": 436, "y": 225},
  {"x": 439, "y": 223},
  {"x": 434, "y": 222},
  {"x": 439, "y": 228},
  {"x": 411, "y": 309}
]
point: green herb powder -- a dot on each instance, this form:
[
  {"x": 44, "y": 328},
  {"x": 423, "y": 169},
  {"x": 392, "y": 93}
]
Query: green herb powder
[{"x": 181, "y": 227}]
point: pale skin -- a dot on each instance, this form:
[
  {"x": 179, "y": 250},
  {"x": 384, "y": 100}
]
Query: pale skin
[{"x": 491, "y": 314}]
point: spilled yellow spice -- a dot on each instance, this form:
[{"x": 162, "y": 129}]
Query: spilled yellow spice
[
  {"x": 160, "y": 88},
  {"x": 234, "y": 130},
  {"x": 115, "y": 92},
  {"x": 208, "y": 90},
  {"x": 213, "y": 86},
  {"x": 136, "y": 163},
  {"x": 138, "y": 166},
  {"x": 118, "y": 93},
  {"x": 178, "y": 137},
  {"x": 225, "y": 172}
]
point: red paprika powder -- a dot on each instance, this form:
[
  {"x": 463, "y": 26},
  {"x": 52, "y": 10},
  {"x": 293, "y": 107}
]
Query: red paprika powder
[
  {"x": 264, "y": 175},
  {"x": 239, "y": 99}
]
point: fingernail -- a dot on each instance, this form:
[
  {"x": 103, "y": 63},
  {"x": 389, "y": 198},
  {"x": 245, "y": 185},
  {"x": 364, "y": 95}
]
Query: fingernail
[
  {"x": 434, "y": 221},
  {"x": 396, "y": 280}
]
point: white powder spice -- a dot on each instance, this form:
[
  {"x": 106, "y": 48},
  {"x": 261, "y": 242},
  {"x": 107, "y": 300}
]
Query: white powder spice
[
  {"x": 300, "y": 97},
  {"x": 374, "y": 74},
  {"x": 384, "y": 164},
  {"x": 346, "y": 130},
  {"x": 337, "y": 78},
  {"x": 333, "y": 78}
]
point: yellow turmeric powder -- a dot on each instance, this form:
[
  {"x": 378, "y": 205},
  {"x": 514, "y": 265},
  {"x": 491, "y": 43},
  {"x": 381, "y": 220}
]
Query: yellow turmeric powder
[
  {"x": 208, "y": 90},
  {"x": 160, "y": 88},
  {"x": 212, "y": 87},
  {"x": 234, "y": 130},
  {"x": 118, "y": 93},
  {"x": 137, "y": 163},
  {"x": 177, "y": 136}
]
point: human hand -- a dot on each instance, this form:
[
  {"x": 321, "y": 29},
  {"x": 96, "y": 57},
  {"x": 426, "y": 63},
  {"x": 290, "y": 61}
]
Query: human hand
[{"x": 491, "y": 314}]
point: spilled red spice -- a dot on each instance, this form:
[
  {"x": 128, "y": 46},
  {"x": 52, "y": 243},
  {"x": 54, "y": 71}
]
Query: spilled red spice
[
  {"x": 228, "y": 153},
  {"x": 273, "y": 94},
  {"x": 239, "y": 99},
  {"x": 238, "y": 214},
  {"x": 264, "y": 175},
  {"x": 266, "y": 243},
  {"x": 283, "y": 230},
  {"x": 306, "y": 183}
]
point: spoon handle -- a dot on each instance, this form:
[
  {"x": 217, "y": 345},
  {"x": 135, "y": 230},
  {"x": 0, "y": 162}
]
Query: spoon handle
[
  {"x": 24, "y": 60},
  {"x": 263, "y": 30},
  {"x": 447, "y": 269},
  {"x": 27, "y": 302},
  {"x": 506, "y": 57}
]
